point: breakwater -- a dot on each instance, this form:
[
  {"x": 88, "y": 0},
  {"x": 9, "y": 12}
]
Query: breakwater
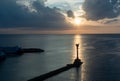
[{"x": 45, "y": 76}]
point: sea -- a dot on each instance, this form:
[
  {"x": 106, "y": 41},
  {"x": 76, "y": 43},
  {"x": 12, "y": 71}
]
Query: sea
[{"x": 100, "y": 54}]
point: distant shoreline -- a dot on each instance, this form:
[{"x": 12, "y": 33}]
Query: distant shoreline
[{"x": 64, "y": 34}]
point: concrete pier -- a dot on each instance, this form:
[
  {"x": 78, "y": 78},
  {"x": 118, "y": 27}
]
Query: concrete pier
[
  {"x": 55, "y": 72},
  {"x": 52, "y": 73},
  {"x": 76, "y": 64}
]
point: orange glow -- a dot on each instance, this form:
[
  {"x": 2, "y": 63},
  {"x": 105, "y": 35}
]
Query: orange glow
[{"x": 77, "y": 21}]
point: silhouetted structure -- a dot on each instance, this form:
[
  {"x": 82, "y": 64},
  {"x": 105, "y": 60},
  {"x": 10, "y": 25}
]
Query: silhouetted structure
[
  {"x": 31, "y": 50},
  {"x": 45, "y": 76},
  {"x": 19, "y": 51},
  {"x": 77, "y": 45},
  {"x": 77, "y": 61}
]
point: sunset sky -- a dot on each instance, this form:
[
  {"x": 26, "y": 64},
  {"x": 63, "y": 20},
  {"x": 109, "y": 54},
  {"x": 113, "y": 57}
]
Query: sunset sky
[{"x": 59, "y": 16}]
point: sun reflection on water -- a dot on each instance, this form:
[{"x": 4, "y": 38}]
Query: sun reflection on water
[
  {"x": 77, "y": 40},
  {"x": 79, "y": 75}
]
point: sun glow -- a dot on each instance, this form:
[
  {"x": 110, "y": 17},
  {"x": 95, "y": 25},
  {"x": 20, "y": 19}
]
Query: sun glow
[{"x": 77, "y": 21}]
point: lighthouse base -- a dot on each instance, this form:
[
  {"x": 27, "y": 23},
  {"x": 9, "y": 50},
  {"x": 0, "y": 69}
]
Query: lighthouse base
[{"x": 77, "y": 62}]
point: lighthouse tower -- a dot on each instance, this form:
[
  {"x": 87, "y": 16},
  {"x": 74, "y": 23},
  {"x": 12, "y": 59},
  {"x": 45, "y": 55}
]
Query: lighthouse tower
[{"x": 77, "y": 61}]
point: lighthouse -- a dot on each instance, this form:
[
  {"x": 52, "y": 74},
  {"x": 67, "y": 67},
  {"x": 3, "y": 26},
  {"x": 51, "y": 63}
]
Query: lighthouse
[
  {"x": 77, "y": 61},
  {"x": 77, "y": 45}
]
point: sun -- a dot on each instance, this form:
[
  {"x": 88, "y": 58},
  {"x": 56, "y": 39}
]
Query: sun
[{"x": 77, "y": 21}]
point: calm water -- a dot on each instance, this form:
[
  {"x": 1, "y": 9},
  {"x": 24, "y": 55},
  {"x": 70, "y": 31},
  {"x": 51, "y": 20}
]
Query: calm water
[{"x": 100, "y": 54}]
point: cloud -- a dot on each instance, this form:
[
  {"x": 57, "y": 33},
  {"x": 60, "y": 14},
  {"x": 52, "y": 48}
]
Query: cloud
[
  {"x": 13, "y": 14},
  {"x": 99, "y": 9},
  {"x": 111, "y": 21},
  {"x": 70, "y": 14}
]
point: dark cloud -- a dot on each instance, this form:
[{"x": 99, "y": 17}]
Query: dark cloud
[
  {"x": 13, "y": 15},
  {"x": 111, "y": 21},
  {"x": 70, "y": 13},
  {"x": 100, "y": 9}
]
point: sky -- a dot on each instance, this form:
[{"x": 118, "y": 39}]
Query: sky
[{"x": 59, "y": 16}]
